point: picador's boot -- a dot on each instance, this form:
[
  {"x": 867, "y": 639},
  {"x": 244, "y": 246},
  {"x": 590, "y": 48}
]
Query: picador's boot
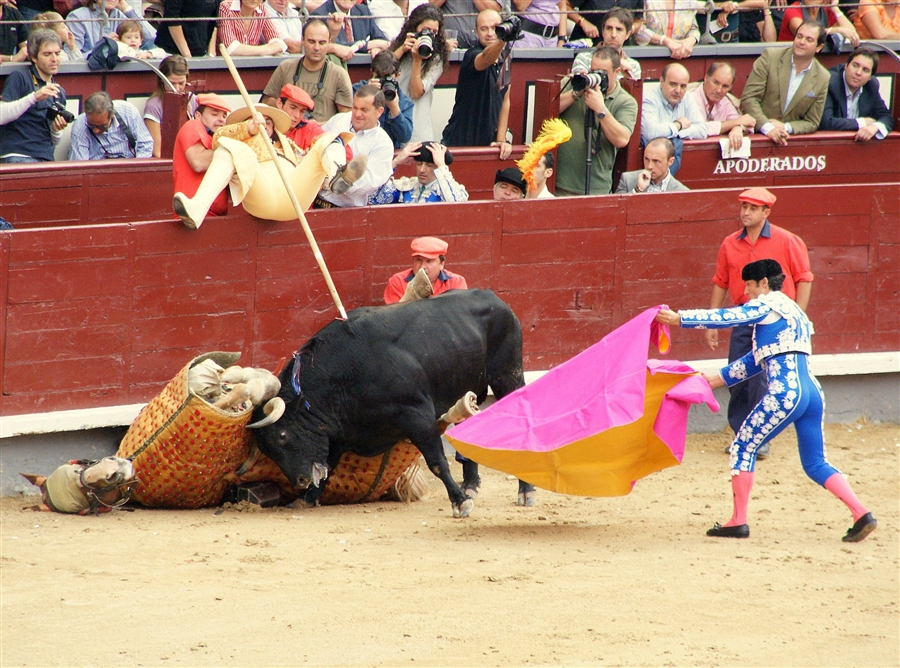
[
  {"x": 193, "y": 210},
  {"x": 348, "y": 174},
  {"x": 418, "y": 288}
]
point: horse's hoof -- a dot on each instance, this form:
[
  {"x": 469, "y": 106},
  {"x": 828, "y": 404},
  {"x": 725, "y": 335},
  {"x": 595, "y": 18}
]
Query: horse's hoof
[
  {"x": 463, "y": 509},
  {"x": 527, "y": 499},
  {"x": 471, "y": 492}
]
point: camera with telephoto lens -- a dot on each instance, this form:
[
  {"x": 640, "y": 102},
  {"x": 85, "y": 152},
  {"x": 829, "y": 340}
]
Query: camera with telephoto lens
[
  {"x": 389, "y": 88},
  {"x": 510, "y": 30},
  {"x": 583, "y": 80},
  {"x": 426, "y": 43},
  {"x": 58, "y": 110}
]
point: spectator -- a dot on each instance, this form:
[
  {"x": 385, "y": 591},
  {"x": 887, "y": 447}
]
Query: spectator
[
  {"x": 617, "y": 28},
  {"x": 418, "y": 74},
  {"x": 614, "y": 117},
  {"x": 509, "y": 184},
  {"x": 326, "y": 83},
  {"x": 175, "y": 69},
  {"x": 193, "y": 37},
  {"x": 854, "y": 102},
  {"x": 13, "y": 34},
  {"x": 429, "y": 253},
  {"x": 669, "y": 112},
  {"x": 433, "y": 181},
  {"x": 33, "y": 134},
  {"x": 99, "y": 19},
  {"x": 786, "y": 90},
  {"x": 29, "y": 9},
  {"x": 194, "y": 149},
  {"x": 109, "y": 130},
  {"x": 831, "y": 19},
  {"x": 392, "y": 14},
  {"x": 287, "y": 22},
  {"x": 481, "y": 109},
  {"x": 397, "y": 119},
  {"x": 10, "y": 111},
  {"x": 368, "y": 140},
  {"x": 878, "y": 19},
  {"x": 590, "y": 15},
  {"x": 351, "y": 28},
  {"x": 297, "y": 104},
  {"x": 257, "y": 37},
  {"x": 543, "y": 23},
  {"x": 656, "y": 176},
  {"x": 758, "y": 24},
  {"x": 459, "y": 15},
  {"x": 54, "y": 21},
  {"x": 672, "y": 24},
  {"x": 128, "y": 41},
  {"x": 722, "y": 114}
]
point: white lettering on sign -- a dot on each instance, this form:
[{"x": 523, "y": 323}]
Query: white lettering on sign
[{"x": 796, "y": 163}]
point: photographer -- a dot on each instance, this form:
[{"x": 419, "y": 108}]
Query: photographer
[
  {"x": 610, "y": 117},
  {"x": 481, "y": 110},
  {"x": 397, "y": 119},
  {"x": 32, "y": 135}
]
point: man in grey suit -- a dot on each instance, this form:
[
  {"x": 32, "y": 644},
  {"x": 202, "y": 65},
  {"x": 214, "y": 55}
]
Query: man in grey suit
[
  {"x": 787, "y": 87},
  {"x": 655, "y": 177}
]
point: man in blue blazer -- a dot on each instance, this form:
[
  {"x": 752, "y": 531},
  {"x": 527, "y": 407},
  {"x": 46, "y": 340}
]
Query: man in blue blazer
[{"x": 854, "y": 102}]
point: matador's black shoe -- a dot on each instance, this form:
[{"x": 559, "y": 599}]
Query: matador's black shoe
[
  {"x": 740, "y": 531},
  {"x": 861, "y": 528}
]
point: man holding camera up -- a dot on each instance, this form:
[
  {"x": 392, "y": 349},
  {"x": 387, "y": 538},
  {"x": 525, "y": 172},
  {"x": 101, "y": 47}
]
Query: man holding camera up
[
  {"x": 397, "y": 119},
  {"x": 594, "y": 100},
  {"x": 32, "y": 136},
  {"x": 481, "y": 110}
]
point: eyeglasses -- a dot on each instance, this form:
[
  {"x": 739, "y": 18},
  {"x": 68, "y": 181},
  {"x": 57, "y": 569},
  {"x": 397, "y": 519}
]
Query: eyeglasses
[{"x": 102, "y": 127}]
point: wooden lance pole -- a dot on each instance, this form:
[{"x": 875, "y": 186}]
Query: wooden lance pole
[{"x": 287, "y": 185}]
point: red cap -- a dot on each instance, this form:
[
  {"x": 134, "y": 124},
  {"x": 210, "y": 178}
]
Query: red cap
[
  {"x": 213, "y": 101},
  {"x": 298, "y": 95},
  {"x": 430, "y": 247},
  {"x": 758, "y": 196}
]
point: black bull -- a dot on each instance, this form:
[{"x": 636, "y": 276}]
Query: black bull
[{"x": 386, "y": 374}]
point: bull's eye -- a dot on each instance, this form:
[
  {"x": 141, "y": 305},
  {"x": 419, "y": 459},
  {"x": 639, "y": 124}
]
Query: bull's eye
[{"x": 282, "y": 437}]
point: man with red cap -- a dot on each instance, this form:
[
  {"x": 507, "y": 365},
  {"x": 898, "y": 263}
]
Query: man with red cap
[
  {"x": 429, "y": 254},
  {"x": 193, "y": 150},
  {"x": 757, "y": 240},
  {"x": 297, "y": 104}
]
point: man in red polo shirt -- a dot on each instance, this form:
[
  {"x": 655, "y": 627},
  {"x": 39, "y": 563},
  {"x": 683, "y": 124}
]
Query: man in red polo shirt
[
  {"x": 429, "y": 253},
  {"x": 296, "y": 103},
  {"x": 193, "y": 149},
  {"x": 758, "y": 240}
]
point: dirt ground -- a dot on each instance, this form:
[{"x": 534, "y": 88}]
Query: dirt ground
[{"x": 571, "y": 582}]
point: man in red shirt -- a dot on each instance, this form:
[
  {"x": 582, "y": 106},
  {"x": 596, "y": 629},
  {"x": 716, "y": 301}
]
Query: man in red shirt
[
  {"x": 758, "y": 240},
  {"x": 429, "y": 253},
  {"x": 296, "y": 103},
  {"x": 193, "y": 149}
]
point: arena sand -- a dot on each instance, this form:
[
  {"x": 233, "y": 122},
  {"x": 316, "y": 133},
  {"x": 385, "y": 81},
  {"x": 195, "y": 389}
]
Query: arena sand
[{"x": 571, "y": 582}]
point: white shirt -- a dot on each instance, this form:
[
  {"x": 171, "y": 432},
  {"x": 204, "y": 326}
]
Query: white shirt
[
  {"x": 374, "y": 143},
  {"x": 288, "y": 26},
  {"x": 391, "y": 18},
  {"x": 545, "y": 194}
]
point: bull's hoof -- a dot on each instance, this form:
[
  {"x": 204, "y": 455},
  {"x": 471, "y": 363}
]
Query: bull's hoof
[
  {"x": 527, "y": 499},
  {"x": 464, "y": 509}
]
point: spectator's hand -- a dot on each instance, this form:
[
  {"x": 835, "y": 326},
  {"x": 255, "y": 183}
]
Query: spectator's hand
[
  {"x": 342, "y": 51},
  {"x": 59, "y": 124},
  {"x": 722, "y": 19},
  {"x": 593, "y": 98},
  {"x": 848, "y": 32},
  {"x": 409, "y": 42},
  {"x": 685, "y": 122},
  {"x": 50, "y": 90},
  {"x": 70, "y": 39},
  {"x": 712, "y": 338},
  {"x": 866, "y": 133},
  {"x": 736, "y": 137},
  {"x": 676, "y": 47},
  {"x": 747, "y": 121},
  {"x": 505, "y": 148},
  {"x": 439, "y": 153},
  {"x": 589, "y": 29},
  {"x": 451, "y": 44},
  {"x": 778, "y": 134},
  {"x": 643, "y": 182},
  {"x": 335, "y": 22},
  {"x": 123, "y": 6}
]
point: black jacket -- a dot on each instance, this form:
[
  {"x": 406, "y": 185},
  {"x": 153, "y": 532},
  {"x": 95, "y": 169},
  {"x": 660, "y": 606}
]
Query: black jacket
[{"x": 834, "y": 117}]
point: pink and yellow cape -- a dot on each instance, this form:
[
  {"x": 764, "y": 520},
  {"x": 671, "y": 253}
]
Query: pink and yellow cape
[{"x": 595, "y": 424}]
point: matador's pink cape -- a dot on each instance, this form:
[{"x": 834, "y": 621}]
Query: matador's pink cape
[{"x": 595, "y": 424}]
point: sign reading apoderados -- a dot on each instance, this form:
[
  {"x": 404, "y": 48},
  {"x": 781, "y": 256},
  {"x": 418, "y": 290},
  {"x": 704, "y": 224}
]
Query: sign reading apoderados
[{"x": 797, "y": 163}]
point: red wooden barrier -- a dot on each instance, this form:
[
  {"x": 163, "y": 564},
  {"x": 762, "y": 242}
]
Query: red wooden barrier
[{"x": 101, "y": 315}]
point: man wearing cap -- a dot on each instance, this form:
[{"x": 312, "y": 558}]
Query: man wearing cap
[
  {"x": 509, "y": 184},
  {"x": 296, "y": 103},
  {"x": 193, "y": 149},
  {"x": 433, "y": 181},
  {"x": 429, "y": 254},
  {"x": 757, "y": 240},
  {"x": 242, "y": 162}
]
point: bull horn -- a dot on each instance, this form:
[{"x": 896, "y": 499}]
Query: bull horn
[
  {"x": 273, "y": 409},
  {"x": 250, "y": 462}
]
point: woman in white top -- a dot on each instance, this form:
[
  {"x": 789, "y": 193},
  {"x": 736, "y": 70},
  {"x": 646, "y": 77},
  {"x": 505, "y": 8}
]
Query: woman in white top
[{"x": 418, "y": 73}]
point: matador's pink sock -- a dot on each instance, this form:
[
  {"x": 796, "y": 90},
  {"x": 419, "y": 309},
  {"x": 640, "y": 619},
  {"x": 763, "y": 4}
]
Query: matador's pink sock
[
  {"x": 741, "y": 484},
  {"x": 837, "y": 484}
]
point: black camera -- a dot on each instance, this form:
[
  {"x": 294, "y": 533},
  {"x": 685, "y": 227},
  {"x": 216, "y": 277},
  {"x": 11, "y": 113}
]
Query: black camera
[
  {"x": 389, "y": 88},
  {"x": 426, "y": 43},
  {"x": 58, "y": 110},
  {"x": 510, "y": 30},
  {"x": 583, "y": 80}
]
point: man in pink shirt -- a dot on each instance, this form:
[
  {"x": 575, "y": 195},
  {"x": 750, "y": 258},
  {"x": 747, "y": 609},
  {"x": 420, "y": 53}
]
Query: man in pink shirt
[{"x": 722, "y": 114}]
